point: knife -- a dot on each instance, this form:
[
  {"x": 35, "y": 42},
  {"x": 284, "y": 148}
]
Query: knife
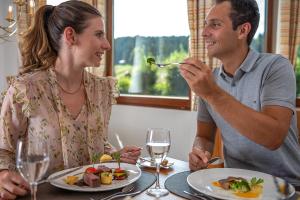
[{"x": 60, "y": 175}]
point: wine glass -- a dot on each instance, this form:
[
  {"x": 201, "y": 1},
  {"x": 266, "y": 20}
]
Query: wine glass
[
  {"x": 32, "y": 161},
  {"x": 158, "y": 145}
]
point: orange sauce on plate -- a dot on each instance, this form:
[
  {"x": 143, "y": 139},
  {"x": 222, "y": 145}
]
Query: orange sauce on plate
[
  {"x": 216, "y": 183},
  {"x": 255, "y": 192}
]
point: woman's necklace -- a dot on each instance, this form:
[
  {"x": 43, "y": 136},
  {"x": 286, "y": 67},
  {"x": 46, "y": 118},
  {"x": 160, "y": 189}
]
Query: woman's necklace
[{"x": 68, "y": 92}]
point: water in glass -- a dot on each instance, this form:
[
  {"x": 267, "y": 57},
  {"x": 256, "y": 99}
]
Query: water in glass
[
  {"x": 158, "y": 144},
  {"x": 32, "y": 161},
  {"x": 158, "y": 150}
]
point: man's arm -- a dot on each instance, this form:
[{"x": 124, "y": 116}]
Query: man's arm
[
  {"x": 203, "y": 145},
  {"x": 205, "y": 136},
  {"x": 267, "y": 127}
]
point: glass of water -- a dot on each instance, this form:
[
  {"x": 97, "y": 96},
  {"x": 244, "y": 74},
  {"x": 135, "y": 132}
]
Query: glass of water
[
  {"x": 32, "y": 160},
  {"x": 158, "y": 144}
]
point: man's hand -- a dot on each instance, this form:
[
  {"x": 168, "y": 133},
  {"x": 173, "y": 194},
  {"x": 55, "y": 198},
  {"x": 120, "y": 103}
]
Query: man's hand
[
  {"x": 199, "y": 77},
  {"x": 198, "y": 159},
  {"x": 130, "y": 154},
  {"x": 12, "y": 185}
]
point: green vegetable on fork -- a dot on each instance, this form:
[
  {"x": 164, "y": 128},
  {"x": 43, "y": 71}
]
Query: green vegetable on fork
[{"x": 150, "y": 61}]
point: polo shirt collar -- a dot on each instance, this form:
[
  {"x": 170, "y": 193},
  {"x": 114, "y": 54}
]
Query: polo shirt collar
[
  {"x": 246, "y": 66},
  {"x": 250, "y": 60}
]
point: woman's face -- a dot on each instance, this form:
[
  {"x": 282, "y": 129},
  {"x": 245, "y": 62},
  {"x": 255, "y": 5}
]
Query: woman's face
[{"x": 91, "y": 44}]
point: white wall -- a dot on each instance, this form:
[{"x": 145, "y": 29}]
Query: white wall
[
  {"x": 9, "y": 58},
  {"x": 131, "y": 123}
]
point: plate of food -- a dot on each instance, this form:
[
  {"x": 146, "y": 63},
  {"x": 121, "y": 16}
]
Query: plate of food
[
  {"x": 97, "y": 177},
  {"x": 146, "y": 162},
  {"x": 237, "y": 184}
]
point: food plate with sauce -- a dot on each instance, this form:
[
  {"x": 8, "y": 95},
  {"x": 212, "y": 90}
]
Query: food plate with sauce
[
  {"x": 204, "y": 181},
  {"x": 134, "y": 173}
]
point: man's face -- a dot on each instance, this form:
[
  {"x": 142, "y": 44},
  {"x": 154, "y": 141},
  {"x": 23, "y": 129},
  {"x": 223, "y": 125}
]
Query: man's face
[{"x": 220, "y": 38}]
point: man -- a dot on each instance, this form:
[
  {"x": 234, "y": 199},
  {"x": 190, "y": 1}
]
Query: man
[{"x": 251, "y": 97}]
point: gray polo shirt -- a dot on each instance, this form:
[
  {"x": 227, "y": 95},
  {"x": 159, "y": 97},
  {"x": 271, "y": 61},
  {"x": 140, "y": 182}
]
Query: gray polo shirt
[{"x": 262, "y": 79}]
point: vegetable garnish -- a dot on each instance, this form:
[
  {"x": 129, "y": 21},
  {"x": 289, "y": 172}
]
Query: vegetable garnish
[
  {"x": 90, "y": 170},
  {"x": 150, "y": 61},
  {"x": 117, "y": 157},
  {"x": 254, "y": 181},
  {"x": 241, "y": 187},
  {"x": 95, "y": 158}
]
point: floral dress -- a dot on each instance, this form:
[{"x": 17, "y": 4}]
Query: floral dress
[{"x": 32, "y": 107}]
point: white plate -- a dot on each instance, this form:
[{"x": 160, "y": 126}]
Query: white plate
[
  {"x": 134, "y": 174},
  {"x": 152, "y": 165},
  {"x": 202, "y": 182}
]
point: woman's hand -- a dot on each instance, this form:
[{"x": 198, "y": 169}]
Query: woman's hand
[
  {"x": 12, "y": 185},
  {"x": 130, "y": 154}
]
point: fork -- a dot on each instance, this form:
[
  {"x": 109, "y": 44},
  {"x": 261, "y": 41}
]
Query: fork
[
  {"x": 162, "y": 65},
  {"x": 199, "y": 195},
  {"x": 125, "y": 190},
  {"x": 123, "y": 195}
]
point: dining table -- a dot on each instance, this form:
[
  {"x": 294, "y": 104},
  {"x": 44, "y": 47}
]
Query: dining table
[
  {"x": 180, "y": 167},
  {"x": 46, "y": 191}
]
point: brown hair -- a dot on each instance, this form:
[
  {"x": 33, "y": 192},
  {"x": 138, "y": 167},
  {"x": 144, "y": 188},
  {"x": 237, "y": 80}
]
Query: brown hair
[{"x": 40, "y": 45}]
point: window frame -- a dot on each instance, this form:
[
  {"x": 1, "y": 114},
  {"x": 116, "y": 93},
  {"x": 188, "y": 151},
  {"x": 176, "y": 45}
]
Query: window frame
[{"x": 173, "y": 102}]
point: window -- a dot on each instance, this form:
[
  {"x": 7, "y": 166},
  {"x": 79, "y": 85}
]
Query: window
[
  {"x": 258, "y": 41},
  {"x": 144, "y": 29},
  {"x": 54, "y": 2}
]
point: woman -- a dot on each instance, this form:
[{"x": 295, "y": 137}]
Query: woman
[{"x": 54, "y": 98}]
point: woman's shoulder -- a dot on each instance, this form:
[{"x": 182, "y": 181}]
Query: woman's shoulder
[
  {"x": 31, "y": 78},
  {"x": 101, "y": 81},
  {"x": 105, "y": 84}
]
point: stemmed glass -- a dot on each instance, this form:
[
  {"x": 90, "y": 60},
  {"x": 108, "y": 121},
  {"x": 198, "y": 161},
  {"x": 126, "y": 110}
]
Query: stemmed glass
[
  {"x": 32, "y": 161},
  {"x": 158, "y": 145}
]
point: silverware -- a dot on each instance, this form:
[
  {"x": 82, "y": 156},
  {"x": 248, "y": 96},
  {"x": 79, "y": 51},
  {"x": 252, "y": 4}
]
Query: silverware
[
  {"x": 124, "y": 195},
  {"x": 125, "y": 190},
  {"x": 277, "y": 188},
  {"x": 214, "y": 159},
  {"x": 162, "y": 65},
  {"x": 120, "y": 143},
  {"x": 199, "y": 195},
  {"x": 152, "y": 162},
  {"x": 145, "y": 160},
  {"x": 286, "y": 190},
  {"x": 60, "y": 175}
]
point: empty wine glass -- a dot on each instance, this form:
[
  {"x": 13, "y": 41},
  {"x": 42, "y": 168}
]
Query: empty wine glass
[
  {"x": 158, "y": 145},
  {"x": 32, "y": 161}
]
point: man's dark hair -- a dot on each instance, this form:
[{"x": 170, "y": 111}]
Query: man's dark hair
[{"x": 243, "y": 11}]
